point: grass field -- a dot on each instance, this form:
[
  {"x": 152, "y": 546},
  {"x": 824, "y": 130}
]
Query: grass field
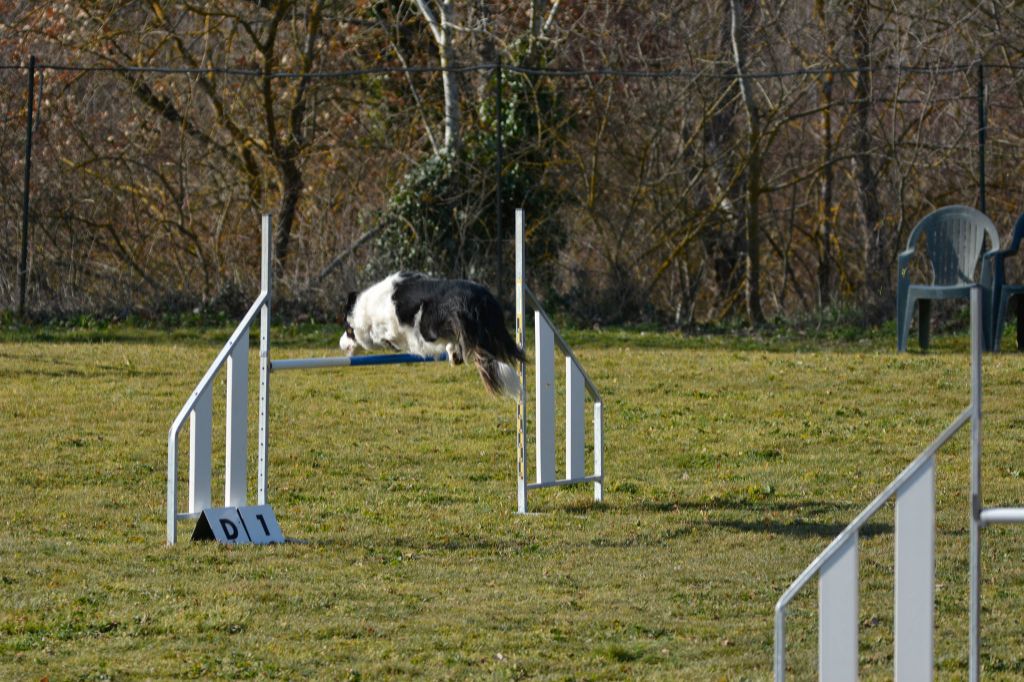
[{"x": 730, "y": 464}]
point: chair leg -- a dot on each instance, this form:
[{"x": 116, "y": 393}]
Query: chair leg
[
  {"x": 904, "y": 315},
  {"x": 924, "y": 318},
  {"x": 1019, "y": 308},
  {"x": 999, "y": 311}
]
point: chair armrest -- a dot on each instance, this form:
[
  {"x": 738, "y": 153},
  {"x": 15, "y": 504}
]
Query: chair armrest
[
  {"x": 999, "y": 253},
  {"x": 1017, "y": 235},
  {"x": 992, "y": 268},
  {"x": 902, "y": 262}
]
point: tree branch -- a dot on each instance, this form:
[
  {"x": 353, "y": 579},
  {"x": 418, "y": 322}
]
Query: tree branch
[{"x": 432, "y": 21}]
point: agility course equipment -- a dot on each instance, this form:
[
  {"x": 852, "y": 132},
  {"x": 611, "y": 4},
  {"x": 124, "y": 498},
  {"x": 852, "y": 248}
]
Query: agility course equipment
[
  {"x": 914, "y": 597},
  {"x": 198, "y": 409},
  {"x": 546, "y": 337}
]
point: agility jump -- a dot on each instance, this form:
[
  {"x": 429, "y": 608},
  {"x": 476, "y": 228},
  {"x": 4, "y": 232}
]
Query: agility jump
[
  {"x": 837, "y": 568},
  {"x": 198, "y": 409}
]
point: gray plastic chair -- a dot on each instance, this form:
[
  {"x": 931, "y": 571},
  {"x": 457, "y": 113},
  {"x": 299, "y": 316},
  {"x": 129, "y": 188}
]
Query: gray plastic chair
[
  {"x": 1003, "y": 292},
  {"x": 954, "y": 237}
]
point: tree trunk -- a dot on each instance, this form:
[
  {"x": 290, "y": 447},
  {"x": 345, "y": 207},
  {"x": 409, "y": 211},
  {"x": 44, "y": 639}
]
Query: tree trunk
[
  {"x": 826, "y": 208},
  {"x": 826, "y": 181},
  {"x": 877, "y": 292},
  {"x": 287, "y": 148},
  {"x": 724, "y": 244},
  {"x": 291, "y": 191},
  {"x": 440, "y": 24},
  {"x": 739, "y": 15}
]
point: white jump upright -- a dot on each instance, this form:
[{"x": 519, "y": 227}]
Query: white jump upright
[
  {"x": 837, "y": 568},
  {"x": 577, "y": 386},
  {"x": 198, "y": 409}
]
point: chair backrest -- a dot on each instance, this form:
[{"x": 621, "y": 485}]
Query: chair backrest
[
  {"x": 1017, "y": 234},
  {"x": 955, "y": 236}
]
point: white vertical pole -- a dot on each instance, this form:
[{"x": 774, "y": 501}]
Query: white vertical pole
[
  {"x": 575, "y": 395},
  {"x": 264, "y": 399},
  {"x": 172, "y": 487},
  {"x": 598, "y": 451},
  {"x": 838, "y": 607},
  {"x": 974, "y": 634},
  {"x": 779, "y": 658},
  {"x": 914, "y": 611},
  {"x": 544, "y": 379},
  {"x": 521, "y": 341},
  {"x": 200, "y": 452},
  {"x": 236, "y": 428}
]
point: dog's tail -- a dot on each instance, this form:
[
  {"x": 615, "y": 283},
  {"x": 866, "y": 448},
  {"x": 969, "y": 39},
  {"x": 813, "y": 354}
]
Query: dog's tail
[
  {"x": 495, "y": 353},
  {"x": 496, "y": 356},
  {"x": 500, "y": 378}
]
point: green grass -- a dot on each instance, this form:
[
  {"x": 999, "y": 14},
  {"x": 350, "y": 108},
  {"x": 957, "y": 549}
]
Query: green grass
[{"x": 730, "y": 464}]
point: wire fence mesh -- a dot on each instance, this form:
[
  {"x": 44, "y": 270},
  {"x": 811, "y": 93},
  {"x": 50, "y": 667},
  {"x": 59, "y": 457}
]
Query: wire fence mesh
[{"x": 649, "y": 193}]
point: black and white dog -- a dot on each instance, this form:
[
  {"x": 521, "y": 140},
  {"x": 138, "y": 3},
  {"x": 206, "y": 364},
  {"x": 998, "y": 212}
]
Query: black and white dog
[{"x": 414, "y": 313}]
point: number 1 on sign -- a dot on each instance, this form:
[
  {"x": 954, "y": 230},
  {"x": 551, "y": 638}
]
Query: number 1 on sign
[{"x": 261, "y": 524}]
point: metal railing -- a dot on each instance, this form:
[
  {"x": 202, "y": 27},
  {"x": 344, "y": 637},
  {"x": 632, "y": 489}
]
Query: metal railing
[
  {"x": 199, "y": 411},
  {"x": 836, "y": 567},
  {"x": 577, "y": 382}
]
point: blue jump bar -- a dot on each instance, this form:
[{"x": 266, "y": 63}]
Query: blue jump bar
[{"x": 354, "y": 361}]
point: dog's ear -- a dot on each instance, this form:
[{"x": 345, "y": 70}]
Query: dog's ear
[{"x": 351, "y": 303}]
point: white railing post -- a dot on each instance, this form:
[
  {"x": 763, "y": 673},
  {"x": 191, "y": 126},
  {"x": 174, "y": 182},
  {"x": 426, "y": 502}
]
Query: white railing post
[
  {"x": 544, "y": 413},
  {"x": 172, "y": 487},
  {"x": 236, "y": 424},
  {"x": 914, "y": 609},
  {"x": 598, "y": 451},
  {"x": 838, "y": 604},
  {"x": 200, "y": 458},
  {"x": 575, "y": 396}
]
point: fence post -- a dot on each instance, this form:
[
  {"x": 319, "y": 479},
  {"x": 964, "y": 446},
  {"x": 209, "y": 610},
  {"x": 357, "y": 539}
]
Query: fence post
[
  {"x": 982, "y": 125},
  {"x": 23, "y": 256}
]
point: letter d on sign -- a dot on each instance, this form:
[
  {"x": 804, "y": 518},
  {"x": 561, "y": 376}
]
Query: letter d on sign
[
  {"x": 223, "y": 525},
  {"x": 229, "y": 529}
]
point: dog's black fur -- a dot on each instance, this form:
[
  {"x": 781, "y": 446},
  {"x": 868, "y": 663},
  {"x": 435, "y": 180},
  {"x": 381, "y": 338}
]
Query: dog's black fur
[{"x": 459, "y": 315}]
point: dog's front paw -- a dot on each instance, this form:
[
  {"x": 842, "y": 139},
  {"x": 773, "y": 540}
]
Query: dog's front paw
[
  {"x": 454, "y": 355},
  {"x": 347, "y": 343}
]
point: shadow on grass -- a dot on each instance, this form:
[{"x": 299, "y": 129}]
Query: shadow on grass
[
  {"x": 408, "y": 549},
  {"x": 744, "y": 504},
  {"x": 795, "y": 519},
  {"x": 799, "y": 524},
  {"x": 579, "y": 508},
  {"x": 15, "y": 367},
  {"x": 802, "y": 528}
]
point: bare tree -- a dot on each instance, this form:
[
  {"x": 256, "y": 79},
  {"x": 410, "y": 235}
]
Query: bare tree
[
  {"x": 739, "y": 19},
  {"x": 282, "y": 111},
  {"x": 690, "y": 186},
  {"x": 877, "y": 287},
  {"x": 439, "y": 16}
]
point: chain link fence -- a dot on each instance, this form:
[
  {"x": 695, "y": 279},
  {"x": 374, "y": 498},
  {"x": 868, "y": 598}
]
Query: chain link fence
[{"x": 650, "y": 195}]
